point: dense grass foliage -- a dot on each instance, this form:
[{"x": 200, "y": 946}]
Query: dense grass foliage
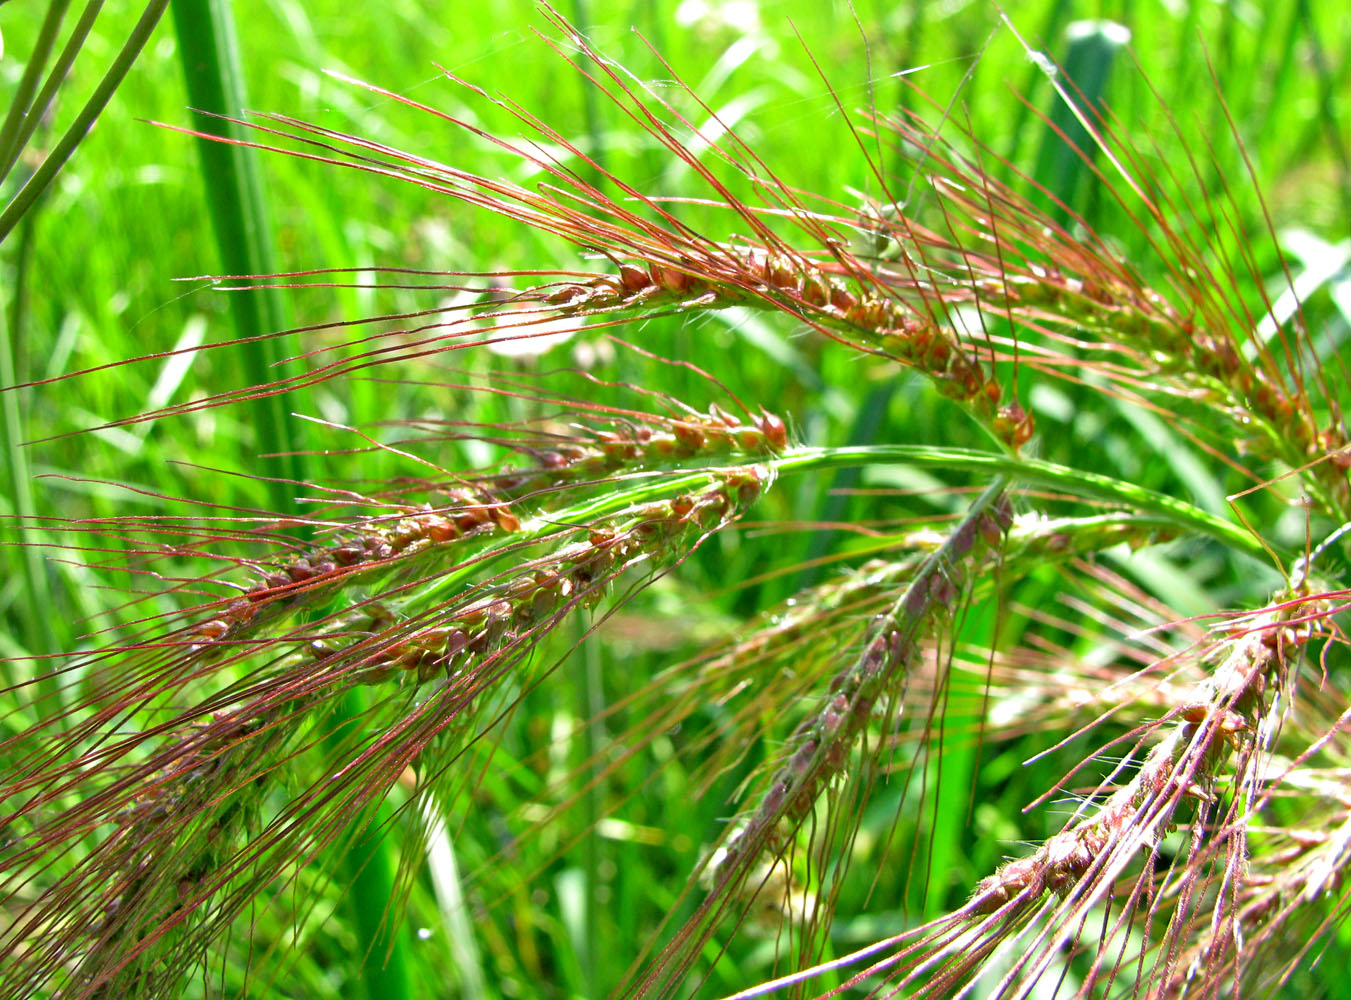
[{"x": 790, "y": 492}]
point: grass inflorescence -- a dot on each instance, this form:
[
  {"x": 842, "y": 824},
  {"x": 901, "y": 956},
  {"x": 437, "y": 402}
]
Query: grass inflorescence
[{"x": 908, "y": 601}]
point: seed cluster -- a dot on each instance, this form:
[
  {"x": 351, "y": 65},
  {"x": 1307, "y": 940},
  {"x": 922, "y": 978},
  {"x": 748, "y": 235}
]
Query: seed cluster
[
  {"x": 749, "y": 276},
  {"x": 1146, "y": 320},
  {"x": 372, "y": 544},
  {"x": 821, "y": 745},
  {"x": 644, "y": 445},
  {"x": 172, "y": 839},
  {"x": 578, "y": 573},
  {"x": 1226, "y": 713}
]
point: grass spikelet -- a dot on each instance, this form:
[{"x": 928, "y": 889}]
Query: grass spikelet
[
  {"x": 182, "y": 829},
  {"x": 1014, "y": 929}
]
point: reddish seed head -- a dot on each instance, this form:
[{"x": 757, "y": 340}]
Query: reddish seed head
[
  {"x": 671, "y": 279},
  {"x": 779, "y": 275},
  {"x": 299, "y": 571},
  {"x": 1003, "y": 512},
  {"x": 835, "y": 714},
  {"x": 937, "y": 353},
  {"x": 898, "y": 648},
  {"x": 774, "y": 798},
  {"x": 916, "y": 601},
  {"x": 720, "y": 415},
  {"x": 456, "y": 642},
  {"x": 632, "y": 278},
  {"x": 942, "y": 589},
  {"x": 346, "y": 555},
  {"x": 962, "y": 540},
  {"x": 842, "y": 299},
  {"x": 774, "y": 430},
  {"x": 470, "y": 518},
  {"x": 442, "y": 529},
  {"x": 563, "y": 295},
  {"x": 815, "y": 291},
  {"x": 802, "y": 760},
  {"x": 874, "y": 658},
  {"x": 273, "y": 581},
  {"x": 692, "y": 437},
  {"x": 711, "y": 509},
  {"x": 212, "y": 629},
  {"x": 1014, "y": 425},
  {"x": 748, "y": 482}
]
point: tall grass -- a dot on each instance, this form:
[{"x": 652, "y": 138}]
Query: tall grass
[{"x": 837, "y": 526}]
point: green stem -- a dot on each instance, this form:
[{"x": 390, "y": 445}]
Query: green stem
[
  {"x": 367, "y": 870},
  {"x": 211, "y": 69},
  {"x": 34, "y": 114},
  {"x": 15, "y": 121},
  {"x": 655, "y": 484},
  {"x": 1035, "y": 472},
  {"x": 35, "y": 607},
  {"x": 84, "y": 121}
]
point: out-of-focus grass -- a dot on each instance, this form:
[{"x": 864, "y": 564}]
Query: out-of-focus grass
[{"x": 128, "y": 215}]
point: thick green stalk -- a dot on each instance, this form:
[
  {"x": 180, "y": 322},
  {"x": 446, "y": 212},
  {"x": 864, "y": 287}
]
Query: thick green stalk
[
  {"x": 655, "y": 484},
  {"x": 1068, "y": 150},
  {"x": 367, "y": 870},
  {"x": 211, "y": 68}
]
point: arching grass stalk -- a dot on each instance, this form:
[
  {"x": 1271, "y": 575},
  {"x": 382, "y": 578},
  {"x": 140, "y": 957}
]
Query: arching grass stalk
[
  {"x": 181, "y": 833},
  {"x": 1031, "y": 471},
  {"x": 458, "y": 595},
  {"x": 192, "y": 772},
  {"x": 1109, "y": 863},
  {"x": 1189, "y": 341}
]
